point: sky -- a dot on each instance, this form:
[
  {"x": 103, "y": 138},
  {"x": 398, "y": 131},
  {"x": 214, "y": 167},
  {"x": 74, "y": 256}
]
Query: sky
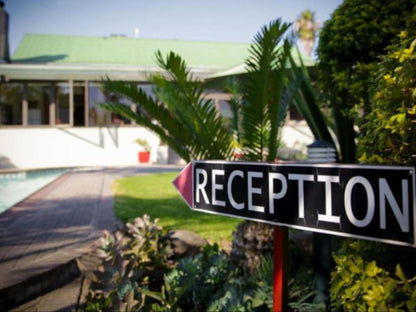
[{"x": 204, "y": 20}]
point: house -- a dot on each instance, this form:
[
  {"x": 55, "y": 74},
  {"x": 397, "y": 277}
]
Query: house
[{"x": 50, "y": 88}]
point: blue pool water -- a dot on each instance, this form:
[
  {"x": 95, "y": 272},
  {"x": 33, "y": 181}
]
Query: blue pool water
[{"x": 16, "y": 186}]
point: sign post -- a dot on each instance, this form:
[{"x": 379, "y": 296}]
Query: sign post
[
  {"x": 321, "y": 152},
  {"x": 280, "y": 265},
  {"x": 367, "y": 202}
]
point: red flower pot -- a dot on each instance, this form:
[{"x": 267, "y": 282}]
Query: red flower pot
[{"x": 144, "y": 157}]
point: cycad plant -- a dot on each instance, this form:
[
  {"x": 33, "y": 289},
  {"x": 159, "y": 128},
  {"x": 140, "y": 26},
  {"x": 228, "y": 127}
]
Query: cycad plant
[
  {"x": 189, "y": 123},
  {"x": 180, "y": 114},
  {"x": 304, "y": 98},
  {"x": 264, "y": 101}
]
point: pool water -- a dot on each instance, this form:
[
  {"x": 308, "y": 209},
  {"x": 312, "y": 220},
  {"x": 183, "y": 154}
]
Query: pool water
[{"x": 16, "y": 186}]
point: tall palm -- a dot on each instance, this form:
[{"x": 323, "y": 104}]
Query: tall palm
[{"x": 306, "y": 26}]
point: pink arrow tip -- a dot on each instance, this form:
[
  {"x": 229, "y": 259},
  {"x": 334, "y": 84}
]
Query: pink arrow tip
[{"x": 183, "y": 184}]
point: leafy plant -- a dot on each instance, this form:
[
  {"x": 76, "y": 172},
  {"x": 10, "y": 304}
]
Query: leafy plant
[
  {"x": 133, "y": 262},
  {"x": 180, "y": 115},
  {"x": 143, "y": 143},
  {"x": 391, "y": 127},
  {"x": 348, "y": 50},
  {"x": 306, "y": 101},
  {"x": 201, "y": 277},
  {"x": 210, "y": 282},
  {"x": 360, "y": 285},
  {"x": 306, "y": 28},
  {"x": 264, "y": 92},
  {"x": 189, "y": 123}
]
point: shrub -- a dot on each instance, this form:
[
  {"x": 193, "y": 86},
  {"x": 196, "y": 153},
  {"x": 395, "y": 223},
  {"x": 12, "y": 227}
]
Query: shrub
[
  {"x": 210, "y": 282},
  {"x": 133, "y": 262},
  {"x": 360, "y": 285},
  {"x": 349, "y": 46},
  {"x": 389, "y": 134},
  {"x": 136, "y": 273}
]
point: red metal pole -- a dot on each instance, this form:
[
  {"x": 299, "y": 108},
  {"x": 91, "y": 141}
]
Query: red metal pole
[{"x": 280, "y": 267}]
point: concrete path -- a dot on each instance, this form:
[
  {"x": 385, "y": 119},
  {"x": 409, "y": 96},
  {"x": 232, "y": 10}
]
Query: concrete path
[{"x": 41, "y": 237}]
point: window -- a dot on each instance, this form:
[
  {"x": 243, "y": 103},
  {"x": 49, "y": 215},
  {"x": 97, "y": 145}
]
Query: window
[
  {"x": 38, "y": 98},
  {"x": 57, "y": 103},
  {"x": 62, "y": 103},
  {"x": 79, "y": 104},
  {"x": 98, "y": 116},
  {"x": 11, "y": 97},
  {"x": 116, "y": 119}
]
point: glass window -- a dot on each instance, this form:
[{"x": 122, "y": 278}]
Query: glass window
[
  {"x": 38, "y": 99},
  {"x": 11, "y": 97},
  {"x": 117, "y": 119},
  {"x": 98, "y": 116},
  {"x": 79, "y": 104},
  {"x": 62, "y": 103}
]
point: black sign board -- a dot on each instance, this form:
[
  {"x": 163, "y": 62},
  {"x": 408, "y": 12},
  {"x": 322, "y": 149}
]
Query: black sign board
[{"x": 370, "y": 202}]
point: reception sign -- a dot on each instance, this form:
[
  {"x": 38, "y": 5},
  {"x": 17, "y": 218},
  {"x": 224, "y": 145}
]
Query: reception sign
[{"x": 369, "y": 202}]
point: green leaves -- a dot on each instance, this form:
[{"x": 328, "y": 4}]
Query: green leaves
[
  {"x": 389, "y": 129},
  {"x": 190, "y": 123},
  {"x": 132, "y": 260},
  {"x": 180, "y": 115},
  {"x": 360, "y": 285},
  {"x": 306, "y": 102},
  {"x": 263, "y": 104}
]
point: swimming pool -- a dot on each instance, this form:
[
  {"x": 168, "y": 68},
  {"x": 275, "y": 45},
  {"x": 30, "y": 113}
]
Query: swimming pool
[{"x": 16, "y": 186}]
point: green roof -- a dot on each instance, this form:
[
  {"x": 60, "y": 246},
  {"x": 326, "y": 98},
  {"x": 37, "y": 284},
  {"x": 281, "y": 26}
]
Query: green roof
[{"x": 60, "y": 49}]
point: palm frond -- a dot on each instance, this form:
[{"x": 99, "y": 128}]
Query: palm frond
[
  {"x": 263, "y": 90},
  {"x": 184, "y": 95},
  {"x": 305, "y": 101},
  {"x": 156, "y": 116},
  {"x": 180, "y": 115}
]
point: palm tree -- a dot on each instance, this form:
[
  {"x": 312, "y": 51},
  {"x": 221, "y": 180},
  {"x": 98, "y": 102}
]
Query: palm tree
[{"x": 306, "y": 26}]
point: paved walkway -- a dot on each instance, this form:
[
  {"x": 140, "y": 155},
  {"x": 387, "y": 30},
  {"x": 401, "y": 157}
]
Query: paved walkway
[{"x": 41, "y": 236}]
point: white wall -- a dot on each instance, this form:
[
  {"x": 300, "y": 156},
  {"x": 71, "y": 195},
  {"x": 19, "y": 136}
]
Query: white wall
[
  {"x": 67, "y": 147},
  {"x": 46, "y": 147}
]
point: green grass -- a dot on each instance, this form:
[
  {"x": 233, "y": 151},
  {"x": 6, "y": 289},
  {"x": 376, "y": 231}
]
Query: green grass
[{"x": 155, "y": 195}]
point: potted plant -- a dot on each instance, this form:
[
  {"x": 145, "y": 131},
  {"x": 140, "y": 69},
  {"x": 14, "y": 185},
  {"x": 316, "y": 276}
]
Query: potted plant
[{"x": 144, "y": 154}]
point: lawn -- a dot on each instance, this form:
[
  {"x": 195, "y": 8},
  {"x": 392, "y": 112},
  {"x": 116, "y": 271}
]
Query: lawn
[{"x": 155, "y": 195}]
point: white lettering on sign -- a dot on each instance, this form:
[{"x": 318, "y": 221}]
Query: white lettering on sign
[
  {"x": 375, "y": 202},
  {"x": 216, "y": 186},
  {"x": 233, "y": 174},
  {"x": 370, "y": 201},
  {"x": 401, "y": 216},
  {"x": 385, "y": 198},
  {"x": 328, "y": 217},
  {"x": 301, "y": 193},
  {"x": 253, "y": 190},
  {"x": 200, "y": 186},
  {"x": 272, "y": 195}
]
